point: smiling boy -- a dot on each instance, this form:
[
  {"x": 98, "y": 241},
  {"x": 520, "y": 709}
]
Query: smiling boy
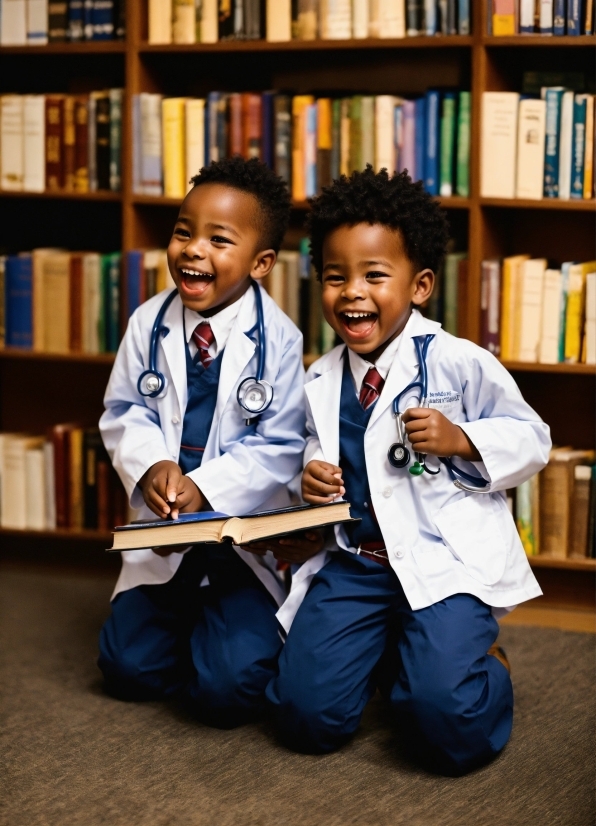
[
  {"x": 404, "y": 599},
  {"x": 201, "y": 623}
]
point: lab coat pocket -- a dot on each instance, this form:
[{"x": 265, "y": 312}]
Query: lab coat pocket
[{"x": 470, "y": 528}]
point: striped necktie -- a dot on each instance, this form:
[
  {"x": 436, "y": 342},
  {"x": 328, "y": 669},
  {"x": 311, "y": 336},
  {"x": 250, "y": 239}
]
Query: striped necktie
[
  {"x": 372, "y": 385},
  {"x": 203, "y": 337}
]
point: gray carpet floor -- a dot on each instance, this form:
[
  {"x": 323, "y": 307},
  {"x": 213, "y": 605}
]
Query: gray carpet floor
[{"x": 75, "y": 757}]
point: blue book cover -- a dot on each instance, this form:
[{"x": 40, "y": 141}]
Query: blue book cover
[
  {"x": 431, "y": 143},
  {"x": 18, "y": 298},
  {"x": 310, "y": 151},
  {"x": 430, "y": 17},
  {"x": 419, "y": 138},
  {"x": 267, "y": 115},
  {"x": 553, "y": 96},
  {"x": 578, "y": 146},
  {"x": 88, "y": 19},
  {"x": 559, "y": 13},
  {"x": 574, "y": 11},
  {"x": 463, "y": 11},
  {"x": 103, "y": 19},
  {"x": 134, "y": 280},
  {"x": 75, "y": 20}
]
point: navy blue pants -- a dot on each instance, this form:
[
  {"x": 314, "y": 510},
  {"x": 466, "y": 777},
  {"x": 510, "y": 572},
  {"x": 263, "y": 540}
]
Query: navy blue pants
[
  {"x": 355, "y": 631},
  {"x": 215, "y": 646}
]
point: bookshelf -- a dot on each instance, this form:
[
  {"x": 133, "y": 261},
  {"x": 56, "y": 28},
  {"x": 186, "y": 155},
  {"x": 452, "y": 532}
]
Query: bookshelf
[{"x": 37, "y": 390}]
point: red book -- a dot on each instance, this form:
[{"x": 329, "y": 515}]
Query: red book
[
  {"x": 251, "y": 125},
  {"x": 81, "y": 152},
  {"x": 54, "y": 136},
  {"x": 68, "y": 143},
  {"x": 60, "y": 438},
  {"x": 76, "y": 301},
  {"x": 235, "y": 125}
]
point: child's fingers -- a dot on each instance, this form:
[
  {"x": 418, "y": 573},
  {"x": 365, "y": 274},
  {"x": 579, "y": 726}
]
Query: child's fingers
[
  {"x": 415, "y": 413},
  {"x": 157, "y": 504},
  {"x": 173, "y": 483},
  {"x": 313, "y": 499},
  {"x": 319, "y": 488},
  {"x": 416, "y": 425}
]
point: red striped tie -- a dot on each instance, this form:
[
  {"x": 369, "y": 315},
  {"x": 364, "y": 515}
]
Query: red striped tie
[
  {"x": 203, "y": 337},
  {"x": 371, "y": 388}
]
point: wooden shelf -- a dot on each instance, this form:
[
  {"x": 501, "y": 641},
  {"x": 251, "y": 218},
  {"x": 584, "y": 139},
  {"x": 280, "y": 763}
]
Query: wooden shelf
[
  {"x": 454, "y": 202},
  {"x": 33, "y": 355},
  {"x": 85, "y": 47},
  {"x": 523, "y": 40},
  {"x": 578, "y": 564},
  {"x": 99, "y": 195},
  {"x": 532, "y": 367},
  {"x": 572, "y": 205},
  {"x": 60, "y": 533},
  {"x": 421, "y": 42}
]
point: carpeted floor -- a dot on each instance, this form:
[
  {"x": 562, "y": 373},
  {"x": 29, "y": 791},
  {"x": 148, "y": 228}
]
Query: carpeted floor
[{"x": 74, "y": 757}]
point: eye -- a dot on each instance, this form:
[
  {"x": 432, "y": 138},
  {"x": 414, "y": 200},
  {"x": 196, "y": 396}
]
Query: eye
[
  {"x": 374, "y": 274},
  {"x": 334, "y": 278},
  {"x": 183, "y": 233},
  {"x": 219, "y": 239}
]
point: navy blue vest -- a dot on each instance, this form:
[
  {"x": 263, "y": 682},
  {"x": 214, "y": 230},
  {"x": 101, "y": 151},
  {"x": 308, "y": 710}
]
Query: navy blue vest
[
  {"x": 353, "y": 421},
  {"x": 202, "y": 387}
]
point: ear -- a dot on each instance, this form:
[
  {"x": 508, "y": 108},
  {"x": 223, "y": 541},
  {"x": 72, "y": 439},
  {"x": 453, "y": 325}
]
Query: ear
[
  {"x": 263, "y": 264},
  {"x": 423, "y": 284}
]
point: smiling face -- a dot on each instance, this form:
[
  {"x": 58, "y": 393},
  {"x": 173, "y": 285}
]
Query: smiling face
[
  {"x": 369, "y": 286},
  {"x": 215, "y": 247}
]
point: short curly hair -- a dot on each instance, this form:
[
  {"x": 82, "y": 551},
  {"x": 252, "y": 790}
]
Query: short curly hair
[
  {"x": 377, "y": 198},
  {"x": 259, "y": 180}
]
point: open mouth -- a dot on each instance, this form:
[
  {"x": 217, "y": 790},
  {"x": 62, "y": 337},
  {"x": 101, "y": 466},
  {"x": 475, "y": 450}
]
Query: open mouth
[
  {"x": 194, "y": 281},
  {"x": 358, "y": 324}
]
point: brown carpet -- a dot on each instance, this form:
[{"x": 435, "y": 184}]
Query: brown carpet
[{"x": 74, "y": 757}]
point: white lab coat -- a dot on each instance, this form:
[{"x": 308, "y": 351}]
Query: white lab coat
[
  {"x": 440, "y": 540},
  {"x": 244, "y": 469}
]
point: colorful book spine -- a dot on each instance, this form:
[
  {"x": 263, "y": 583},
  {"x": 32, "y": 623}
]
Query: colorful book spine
[
  {"x": 553, "y": 97},
  {"x": 490, "y": 306},
  {"x": 134, "y": 281},
  {"x": 574, "y": 17},
  {"x": 75, "y": 20},
  {"x": 463, "y": 11},
  {"x": 447, "y": 144},
  {"x": 420, "y": 138},
  {"x": 431, "y": 142},
  {"x": 18, "y": 285},
  {"x": 115, "y": 139},
  {"x": 559, "y": 17},
  {"x": 310, "y": 150},
  {"x": 578, "y": 145},
  {"x": 463, "y": 144}
]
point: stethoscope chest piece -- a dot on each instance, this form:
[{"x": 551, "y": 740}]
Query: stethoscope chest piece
[
  {"x": 254, "y": 396},
  {"x": 398, "y": 455},
  {"x": 152, "y": 384}
]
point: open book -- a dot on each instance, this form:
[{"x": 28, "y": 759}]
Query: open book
[{"x": 211, "y": 526}]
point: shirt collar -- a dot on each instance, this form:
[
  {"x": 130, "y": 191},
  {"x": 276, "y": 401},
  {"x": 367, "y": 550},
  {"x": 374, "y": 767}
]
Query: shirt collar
[
  {"x": 360, "y": 366},
  {"x": 221, "y": 323}
]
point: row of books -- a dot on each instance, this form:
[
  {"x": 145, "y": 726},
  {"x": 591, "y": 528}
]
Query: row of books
[
  {"x": 54, "y": 301},
  {"x": 63, "y": 479},
  {"x": 546, "y": 17},
  {"x": 555, "y": 510},
  {"x": 309, "y": 142},
  {"x": 37, "y": 22},
  {"x": 538, "y": 147},
  {"x": 535, "y": 314},
  {"x": 70, "y": 143},
  {"x": 185, "y": 21}
]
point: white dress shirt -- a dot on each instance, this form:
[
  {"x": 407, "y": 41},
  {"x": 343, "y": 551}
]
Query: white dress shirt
[
  {"x": 360, "y": 366},
  {"x": 221, "y": 326}
]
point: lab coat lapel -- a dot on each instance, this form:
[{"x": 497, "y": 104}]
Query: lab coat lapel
[
  {"x": 172, "y": 346},
  {"x": 324, "y": 394}
]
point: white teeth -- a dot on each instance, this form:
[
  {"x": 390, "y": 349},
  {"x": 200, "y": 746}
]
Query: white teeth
[
  {"x": 196, "y": 272},
  {"x": 358, "y": 315}
]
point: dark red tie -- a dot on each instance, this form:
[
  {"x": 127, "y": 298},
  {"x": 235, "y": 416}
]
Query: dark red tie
[
  {"x": 371, "y": 388},
  {"x": 203, "y": 337}
]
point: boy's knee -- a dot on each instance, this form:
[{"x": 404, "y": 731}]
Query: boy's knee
[
  {"x": 127, "y": 678},
  {"x": 225, "y": 697}
]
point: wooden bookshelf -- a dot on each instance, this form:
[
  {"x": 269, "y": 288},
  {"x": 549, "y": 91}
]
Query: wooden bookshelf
[{"x": 37, "y": 390}]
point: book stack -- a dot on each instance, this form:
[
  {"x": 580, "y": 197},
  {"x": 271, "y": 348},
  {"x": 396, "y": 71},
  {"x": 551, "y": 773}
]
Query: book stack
[
  {"x": 54, "y": 301},
  {"x": 61, "y": 143},
  {"x": 549, "y": 17},
  {"x": 555, "y": 510},
  {"x": 62, "y": 480},
  {"x": 307, "y": 141},
  {"x": 537, "y": 147},
  {"x": 532, "y": 313},
  {"x": 184, "y": 21},
  {"x": 37, "y": 22}
]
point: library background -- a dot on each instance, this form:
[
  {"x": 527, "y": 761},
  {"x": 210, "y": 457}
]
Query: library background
[{"x": 106, "y": 112}]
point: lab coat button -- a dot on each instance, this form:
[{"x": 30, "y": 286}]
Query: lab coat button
[
  {"x": 175, "y": 420},
  {"x": 399, "y": 553},
  {"x": 387, "y": 491}
]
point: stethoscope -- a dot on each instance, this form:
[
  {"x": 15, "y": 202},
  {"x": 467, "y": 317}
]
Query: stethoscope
[
  {"x": 399, "y": 455},
  {"x": 254, "y": 395}
]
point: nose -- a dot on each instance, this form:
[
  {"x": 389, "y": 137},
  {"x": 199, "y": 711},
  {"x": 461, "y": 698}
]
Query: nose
[
  {"x": 195, "y": 248},
  {"x": 354, "y": 289}
]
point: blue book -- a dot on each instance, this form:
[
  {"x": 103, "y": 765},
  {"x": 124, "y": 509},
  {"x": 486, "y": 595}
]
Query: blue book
[
  {"x": 553, "y": 96},
  {"x": 267, "y": 117},
  {"x": 310, "y": 151},
  {"x": 559, "y": 12},
  {"x": 463, "y": 11},
  {"x": 75, "y": 20},
  {"x": 419, "y": 138},
  {"x": 578, "y": 145},
  {"x": 103, "y": 19},
  {"x": 430, "y": 17},
  {"x": 135, "y": 275},
  {"x": 431, "y": 142},
  {"x": 18, "y": 286},
  {"x": 574, "y": 11},
  {"x": 88, "y": 19}
]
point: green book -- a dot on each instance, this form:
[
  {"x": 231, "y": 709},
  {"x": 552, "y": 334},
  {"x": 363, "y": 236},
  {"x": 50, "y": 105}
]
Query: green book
[
  {"x": 355, "y": 162},
  {"x": 463, "y": 145},
  {"x": 109, "y": 317},
  {"x": 447, "y": 144}
]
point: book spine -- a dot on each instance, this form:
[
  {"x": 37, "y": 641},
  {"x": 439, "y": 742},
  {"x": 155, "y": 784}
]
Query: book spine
[
  {"x": 324, "y": 143},
  {"x": 431, "y": 158},
  {"x": 452, "y": 16},
  {"x": 37, "y": 22},
  {"x": 559, "y": 17},
  {"x": 11, "y": 139},
  {"x": 407, "y": 158},
  {"x": 430, "y": 16},
  {"x": 221, "y": 126},
  {"x": 398, "y": 137},
  {"x": 355, "y": 162},
  {"x": 447, "y": 144},
  {"x": 81, "y": 159},
  {"x": 252, "y": 125},
  {"x": 75, "y": 20},
  {"x": 565, "y": 145},
  {"x": 283, "y": 137},
  {"x": 546, "y": 17},
  {"x": 34, "y": 173},
  {"x": 589, "y": 17},
  {"x": 151, "y": 145},
  {"x": 61, "y": 444},
  {"x": 3, "y": 303},
  {"x": 491, "y": 306},
  {"x": 526, "y": 16},
  {"x": 91, "y": 142},
  {"x": 88, "y": 19},
  {"x": 464, "y": 17},
  {"x": 75, "y": 295},
  {"x": 463, "y": 144},
  {"x": 183, "y": 21},
  {"x": 113, "y": 303},
  {"x": 413, "y": 18},
  {"x": 574, "y": 17},
  {"x": 103, "y": 19},
  {"x": 589, "y": 148},
  {"x": 310, "y": 150},
  {"x": 578, "y": 146},
  {"x": 102, "y": 140},
  {"x": 551, "y": 154},
  {"x": 68, "y": 143},
  {"x": 172, "y": 111},
  {"x": 279, "y": 20},
  {"x": 115, "y": 139},
  {"x": 134, "y": 281},
  {"x": 195, "y": 138},
  {"x": 57, "y": 21},
  {"x": 267, "y": 118},
  {"x": 19, "y": 300}
]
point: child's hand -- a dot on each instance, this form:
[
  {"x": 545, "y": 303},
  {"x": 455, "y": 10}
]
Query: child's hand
[
  {"x": 429, "y": 431},
  {"x": 321, "y": 483},
  {"x": 296, "y": 548},
  {"x": 167, "y": 492}
]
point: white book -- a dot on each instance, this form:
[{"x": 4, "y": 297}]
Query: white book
[
  {"x": 368, "y": 134},
  {"x": 91, "y": 290},
  {"x": 565, "y": 145},
  {"x": 209, "y": 23},
  {"x": 552, "y": 298},
  {"x": 279, "y": 20},
  {"x": 531, "y": 289},
  {"x": 498, "y": 144},
  {"x": 14, "y": 480},
  {"x": 384, "y": 133},
  {"x": 13, "y": 23},
  {"x": 590, "y": 325},
  {"x": 37, "y": 22},
  {"x": 530, "y": 149},
  {"x": 546, "y": 16},
  {"x": 184, "y": 24},
  {"x": 195, "y": 137},
  {"x": 49, "y": 485},
  {"x": 34, "y": 143},
  {"x": 360, "y": 12},
  {"x": 392, "y": 18},
  {"x": 151, "y": 144},
  {"x": 160, "y": 21},
  {"x": 291, "y": 260},
  {"x": 336, "y": 19},
  {"x": 526, "y": 16},
  {"x": 11, "y": 142},
  {"x": 35, "y": 487}
]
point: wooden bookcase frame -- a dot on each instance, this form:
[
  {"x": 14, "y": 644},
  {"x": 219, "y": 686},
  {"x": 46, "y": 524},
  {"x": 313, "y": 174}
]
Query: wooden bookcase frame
[{"x": 37, "y": 390}]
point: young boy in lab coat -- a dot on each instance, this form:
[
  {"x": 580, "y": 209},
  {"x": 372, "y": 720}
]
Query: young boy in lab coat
[
  {"x": 201, "y": 622},
  {"x": 405, "y": 599}
]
